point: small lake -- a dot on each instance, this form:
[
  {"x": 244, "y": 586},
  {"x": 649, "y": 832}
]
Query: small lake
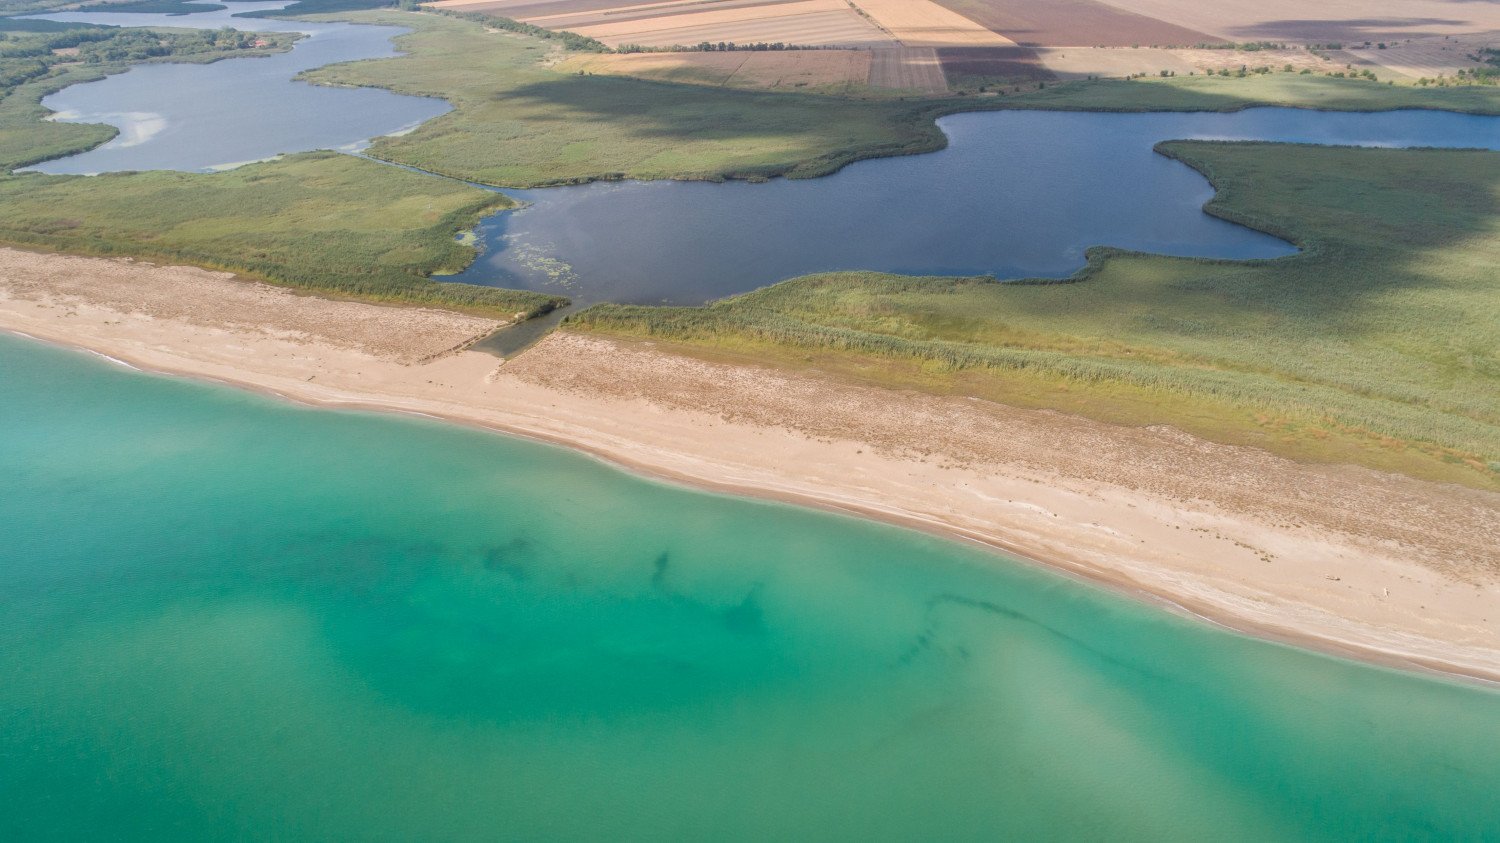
[
  {"x": 1015, "y": 194},
  {"x": 198, "y": 117}
]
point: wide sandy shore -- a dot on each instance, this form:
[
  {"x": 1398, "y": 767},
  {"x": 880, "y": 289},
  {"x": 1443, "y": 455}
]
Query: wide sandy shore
[{"x": 1344, "y": 559}]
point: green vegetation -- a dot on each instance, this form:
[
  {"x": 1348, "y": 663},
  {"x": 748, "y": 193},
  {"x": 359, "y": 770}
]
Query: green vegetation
[
  {"x": 517, "y": 123},
  {"x": 570, "y": 40},
  {"x": 1220, "y": 93},
  {"x": 158, "y": 7},
  {"x": 319, "y": 221},
  {"x": 322, "y": 7},
  {"x": 31, "y": 7},
  {"x": 27, "y": 25},
  {"x": 1379, "y": 344},
  {"x": 33, "y": 65}
]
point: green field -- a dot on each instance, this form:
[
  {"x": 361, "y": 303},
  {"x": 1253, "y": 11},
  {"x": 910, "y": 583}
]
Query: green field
[
  {"x": 320, "y": 221},
  {"x": 517, "y": 123},
  {"x": 1230, "y": 93},
  {"x": 1379, "y": 344}
]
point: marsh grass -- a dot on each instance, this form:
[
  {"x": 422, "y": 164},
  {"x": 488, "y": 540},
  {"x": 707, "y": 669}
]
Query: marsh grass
[
  {"x": 320, "y": 221},
  {"x": 1379, "y": 344}
]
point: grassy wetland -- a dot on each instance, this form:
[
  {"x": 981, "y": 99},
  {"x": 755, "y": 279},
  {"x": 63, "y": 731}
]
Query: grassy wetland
[
  {"x": 518, "y": 123},
  {"x": 1376, "y": 345},
  {"x": 319, "y": 221}
]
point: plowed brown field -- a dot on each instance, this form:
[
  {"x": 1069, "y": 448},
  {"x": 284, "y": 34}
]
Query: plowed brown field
[
  {"x": 1324, "y": 20},
  {"x": 970, "y": 66},
  {"x": 1082, "y": 23},
  {"x": 908, "y": 69}
]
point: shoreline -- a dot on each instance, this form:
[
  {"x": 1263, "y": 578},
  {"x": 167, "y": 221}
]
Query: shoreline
[
  {"x": 656, "y": 435},
  {"x": 1098, "y": 578}
]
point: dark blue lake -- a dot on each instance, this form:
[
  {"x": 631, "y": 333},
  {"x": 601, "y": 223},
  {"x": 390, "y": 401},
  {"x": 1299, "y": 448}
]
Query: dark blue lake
[{"x": 1016, "y": 194}]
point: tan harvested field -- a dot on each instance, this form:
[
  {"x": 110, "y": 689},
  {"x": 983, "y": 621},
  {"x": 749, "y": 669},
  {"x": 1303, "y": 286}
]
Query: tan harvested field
[
  {"x": 813, "y": 23},
  {"x": 1299, "y": 59},
  {"x": 1426, "y": 57},
  {"x": 824, "y": 71},
  {"x": 1076, "y": 23},
  {"x": 908, "y": 69},
  {"x": 923, "y": 23},
  {"x": 1107, "y": 62},
  {"x": 1324, "y": 21}
]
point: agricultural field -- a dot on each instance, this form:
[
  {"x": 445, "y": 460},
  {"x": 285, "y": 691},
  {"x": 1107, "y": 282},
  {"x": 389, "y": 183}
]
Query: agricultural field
[
  {"x": 1376, "y": 345},
  {"x": 1076, "y": 23},
  {"x": 924, "y": 23},
  {"x": 819, "y": 71},
  {"x": 1426, "y": 57},
  {"x": 978, "y": 67},
  {"x": 918, "y": 69},
  {"x": 689, "y": 22},
  {"x": 1326, "y": 21}
]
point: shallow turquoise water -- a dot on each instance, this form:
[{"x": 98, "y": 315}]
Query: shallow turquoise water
[{"x": 222, "y": 616}]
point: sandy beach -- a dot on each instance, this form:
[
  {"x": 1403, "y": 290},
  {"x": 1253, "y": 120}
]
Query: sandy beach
[{"x": 1372, "y": 565}]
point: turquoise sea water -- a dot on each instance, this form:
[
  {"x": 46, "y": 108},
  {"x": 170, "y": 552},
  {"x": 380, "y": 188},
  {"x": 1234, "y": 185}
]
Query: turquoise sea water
[{"x": 226, "y": 617}]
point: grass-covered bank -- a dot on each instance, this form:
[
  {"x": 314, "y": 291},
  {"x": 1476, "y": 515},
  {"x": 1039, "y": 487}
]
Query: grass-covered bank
[
  {"x": 1379, "y": 344},
  {"x": 319, "y": 221},
  {"x": 518, "y": 123}
]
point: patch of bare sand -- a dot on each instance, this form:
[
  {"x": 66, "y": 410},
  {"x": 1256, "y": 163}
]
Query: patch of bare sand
[
  {"x": 1346, "y": 559},
  {"x": 221, "y": 303}
]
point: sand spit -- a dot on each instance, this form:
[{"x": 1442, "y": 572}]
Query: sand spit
[{"x": 1345, "y": 559}]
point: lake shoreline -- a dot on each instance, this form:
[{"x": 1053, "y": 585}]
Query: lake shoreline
[{"x": 606, "y": 398}]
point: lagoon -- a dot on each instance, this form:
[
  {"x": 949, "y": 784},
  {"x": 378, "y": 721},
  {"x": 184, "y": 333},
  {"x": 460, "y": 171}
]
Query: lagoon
[
  {"x": 201, "y": 117},
  {"x": 222, "y": 616},
  {"x": 1015, "y": 194}
]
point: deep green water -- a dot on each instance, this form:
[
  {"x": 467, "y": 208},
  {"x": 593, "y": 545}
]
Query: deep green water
[{"x": 222, "y": 616}]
